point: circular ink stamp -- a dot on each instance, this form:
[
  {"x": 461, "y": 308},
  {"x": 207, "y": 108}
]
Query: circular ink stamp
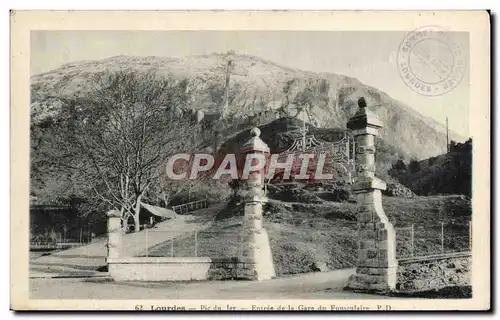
[{"x": 430, "y": 62}]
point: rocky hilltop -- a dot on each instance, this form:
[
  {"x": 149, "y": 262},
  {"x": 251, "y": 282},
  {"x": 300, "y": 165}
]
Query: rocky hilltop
[{"x": 326, "y": 100}]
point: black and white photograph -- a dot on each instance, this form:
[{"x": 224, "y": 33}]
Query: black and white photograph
[{"x": 335, "y": 166}]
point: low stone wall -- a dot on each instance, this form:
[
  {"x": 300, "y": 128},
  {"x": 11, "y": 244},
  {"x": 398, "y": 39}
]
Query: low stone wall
[
  {"x": 159, "y": 268},
  {"x": 177, "y": 269},
  {"x": 434, "y": 272},
  {"x": 231, "y": 269}
]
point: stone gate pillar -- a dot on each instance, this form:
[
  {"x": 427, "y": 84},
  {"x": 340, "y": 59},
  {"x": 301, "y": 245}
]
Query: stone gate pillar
[
  {"x": 376, "y": 263},
  {"x": 255, "y": 254},
  {"x": 114, "y": 234}
]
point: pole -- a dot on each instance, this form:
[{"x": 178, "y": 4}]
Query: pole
[
  {"x": 228, "y": 80},
  {"x": 447, "y": 138},
  {"x": 147, "y": 243},
  {"x": 172, "y": 247},
  {"x": 442, "y": 237},
  {"x": 81, "y": 234},
  {"x": 195, "y": 243},
  {"x": 412, "y": 239},
  {"x": 304, "y": 135},
  {"x": 240, "y": 244}
]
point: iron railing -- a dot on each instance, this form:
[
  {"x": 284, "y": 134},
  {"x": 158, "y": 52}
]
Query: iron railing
[{"x": 190, "y": 206}]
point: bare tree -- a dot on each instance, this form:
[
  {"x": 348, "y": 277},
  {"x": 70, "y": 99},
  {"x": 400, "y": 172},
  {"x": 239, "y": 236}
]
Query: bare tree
[{"x": 122, "y": 133}]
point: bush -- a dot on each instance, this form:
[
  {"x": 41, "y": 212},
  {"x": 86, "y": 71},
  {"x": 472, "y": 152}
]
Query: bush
[
  {"x": 414, "y": 166},
  {"x": 399, "y": 165}
]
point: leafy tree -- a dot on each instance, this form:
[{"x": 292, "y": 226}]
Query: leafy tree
[{"x": 453, "y": 144}]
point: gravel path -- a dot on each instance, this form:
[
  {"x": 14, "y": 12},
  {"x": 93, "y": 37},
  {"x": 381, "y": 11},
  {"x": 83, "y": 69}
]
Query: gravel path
[{"x": 326, "y": 285}]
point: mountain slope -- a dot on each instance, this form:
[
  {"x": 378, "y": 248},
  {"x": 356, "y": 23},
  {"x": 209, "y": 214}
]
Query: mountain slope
[{"x": 257, "y": 85}]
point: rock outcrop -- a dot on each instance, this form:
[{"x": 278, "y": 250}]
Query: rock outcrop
[{"x": 396, "y": 189}]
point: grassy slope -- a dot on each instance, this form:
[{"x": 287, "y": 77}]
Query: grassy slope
[{"x": 302, "y": 235}]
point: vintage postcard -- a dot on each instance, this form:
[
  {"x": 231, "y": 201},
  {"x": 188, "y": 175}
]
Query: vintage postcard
[{"x": 282, "y": 161}]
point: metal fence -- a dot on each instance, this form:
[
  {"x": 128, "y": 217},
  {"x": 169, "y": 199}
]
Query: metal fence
[
  {"x": 190, "y": 206},
  {"x": 160, "y": 243},
  {"x": 420, "y": 240},
  {"x": 416, "y": 240}
]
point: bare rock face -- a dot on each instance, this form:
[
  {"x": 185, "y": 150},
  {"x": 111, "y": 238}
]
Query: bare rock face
[{"x": 257, "y": 86}]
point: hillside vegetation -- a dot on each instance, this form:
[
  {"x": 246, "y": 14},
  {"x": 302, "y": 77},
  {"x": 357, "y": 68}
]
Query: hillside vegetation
[{"x": 450, "y": 173}]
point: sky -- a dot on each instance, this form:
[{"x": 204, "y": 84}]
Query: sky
[{"x": 371, "y": 57}]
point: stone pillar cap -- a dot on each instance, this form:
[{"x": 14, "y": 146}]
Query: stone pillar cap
[
  {"x": 369, "y": 184},
  {"x": 114, "y": 214},
  {"x": 364, "y": 118},
  {"x": 255, "y": 143}
]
